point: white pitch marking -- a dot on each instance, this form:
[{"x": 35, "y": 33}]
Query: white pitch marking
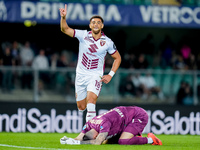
[{"x": 5, "y": 145}]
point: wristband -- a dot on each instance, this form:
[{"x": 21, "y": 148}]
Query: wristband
[{"x": 111, "y": 73}]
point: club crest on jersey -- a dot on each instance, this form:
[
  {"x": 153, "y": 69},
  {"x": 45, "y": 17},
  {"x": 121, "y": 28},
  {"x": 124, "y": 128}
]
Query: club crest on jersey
[{"x": 102, "y": 43}]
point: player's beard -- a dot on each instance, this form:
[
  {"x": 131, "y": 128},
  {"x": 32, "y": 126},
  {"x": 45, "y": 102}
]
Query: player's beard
[{"x": 96, "y": 31}]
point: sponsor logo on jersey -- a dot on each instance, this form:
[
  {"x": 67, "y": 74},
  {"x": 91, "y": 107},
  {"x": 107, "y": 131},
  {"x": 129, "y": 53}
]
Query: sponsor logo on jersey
[
  {"x": 84, "y": 127},
  {"x": 114, "y": 47}
]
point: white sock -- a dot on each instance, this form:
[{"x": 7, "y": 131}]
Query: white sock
[
  {"x": 91, "y": 111},
  {"x": 81, "y": 110},
  {"x": 150, "y": 140}
]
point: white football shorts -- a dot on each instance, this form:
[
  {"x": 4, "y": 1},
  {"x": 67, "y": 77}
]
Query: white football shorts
[{"x": 84, "y": 83}]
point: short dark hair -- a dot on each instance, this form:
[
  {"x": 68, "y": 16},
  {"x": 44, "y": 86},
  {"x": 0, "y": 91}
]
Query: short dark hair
[
  {"x": 97, "y": 16},
  {"x": 85, "y": 138}
]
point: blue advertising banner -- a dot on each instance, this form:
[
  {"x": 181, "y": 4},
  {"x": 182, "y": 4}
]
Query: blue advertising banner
[{"x": 114, "y": 15}]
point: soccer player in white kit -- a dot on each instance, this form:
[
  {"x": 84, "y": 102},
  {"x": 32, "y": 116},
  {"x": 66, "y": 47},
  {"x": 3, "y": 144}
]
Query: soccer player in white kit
[{"x": 93, "y": 47}]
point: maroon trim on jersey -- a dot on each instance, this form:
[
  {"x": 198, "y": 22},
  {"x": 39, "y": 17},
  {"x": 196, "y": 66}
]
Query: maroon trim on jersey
[
  {"x": 102, "y": 33},
  {"x": 95, "y": 60},
  {"x": 84, "y": 63},
  {"x": 89, "y": 64},
  {"x": 84, "y": 60},
  {"x": 85, "y": 56},
  {"x": 92, "y": 67},
  {"x": 114, "y": 52},
  {"x": 91, "y": 111},
  {"x": 96, "y": 39},
  {"x": 74, "y": 33}
]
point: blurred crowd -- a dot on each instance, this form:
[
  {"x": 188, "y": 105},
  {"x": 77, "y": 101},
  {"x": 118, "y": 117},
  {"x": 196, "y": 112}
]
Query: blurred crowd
[
  {"x": 169, "y": 55},
  {"x": 142, "y": 86},
  {"x": 145, "y": 55},
  {"x": 13, "y": 54},
  {"x": 27, "y": 55},
  {"x": 183, "y": 56}
]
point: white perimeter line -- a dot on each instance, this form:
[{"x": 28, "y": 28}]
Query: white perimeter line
[{"x": 5, "y": 145}]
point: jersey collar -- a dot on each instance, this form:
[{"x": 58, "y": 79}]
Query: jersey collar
[{"x": 102, "y": 35}]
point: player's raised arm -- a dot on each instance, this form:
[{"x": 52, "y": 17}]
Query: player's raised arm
[{"x": 63, "y": 24}]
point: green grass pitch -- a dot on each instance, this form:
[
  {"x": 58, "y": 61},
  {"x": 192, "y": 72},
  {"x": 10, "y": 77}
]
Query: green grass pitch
[{"x": 50, "y": 141}]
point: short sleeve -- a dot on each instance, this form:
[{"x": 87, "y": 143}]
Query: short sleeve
[
  {"x": 112, "y": 48},
  {"x": 105, "y": 127},
  {"x": 86, "y": 128},
  {"x": 79, "y": 34}
]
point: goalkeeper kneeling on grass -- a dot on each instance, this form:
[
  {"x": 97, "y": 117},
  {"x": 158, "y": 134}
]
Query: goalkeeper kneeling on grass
[{"x": 122, "y": 125}]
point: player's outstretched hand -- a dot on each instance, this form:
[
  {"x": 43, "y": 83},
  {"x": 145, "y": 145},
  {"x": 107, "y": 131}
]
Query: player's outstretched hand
[
  {"x": 72, "y": 141},
  {"x": 63, "y": 140},
  {"x": 63, "y": 12},
  {"x": 106, "y": 79}
]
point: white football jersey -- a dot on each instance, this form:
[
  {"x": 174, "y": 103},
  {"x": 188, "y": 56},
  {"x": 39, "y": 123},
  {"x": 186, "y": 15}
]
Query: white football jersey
[{"x": 91, "y": 58}]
